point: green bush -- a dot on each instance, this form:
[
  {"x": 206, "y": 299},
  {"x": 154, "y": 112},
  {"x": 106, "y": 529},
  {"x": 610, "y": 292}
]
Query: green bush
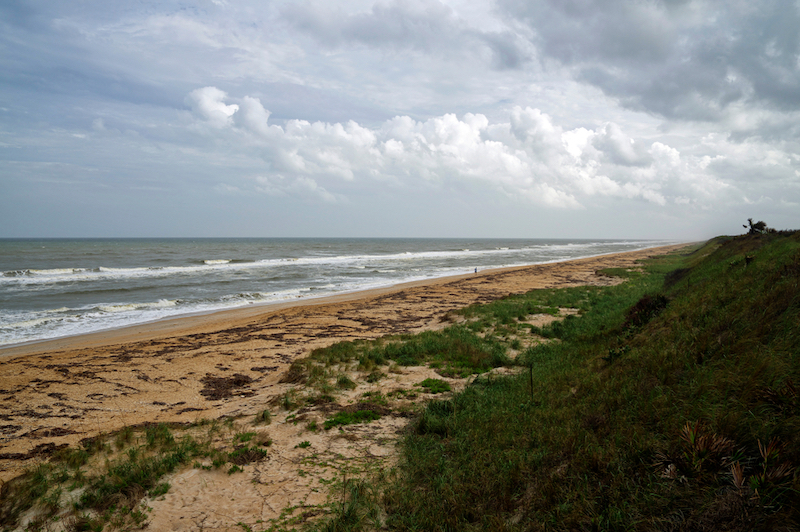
[
  {"x": 435, "y": 385},
  {"x": 349, "y": 418}
]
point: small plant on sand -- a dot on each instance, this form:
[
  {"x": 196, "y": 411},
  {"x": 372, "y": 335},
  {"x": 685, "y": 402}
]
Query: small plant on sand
[
  {"x": 289, "y": 400},
  {"x": 348, "y": 418},
  {"x": 344, "y": 382},
  {"x": 263, "y": 417},
  {"x": 375, "y": 376},
  {"x": 358, "y": 508},
  {"x": 402, "y": 393},
  {"x": 319, "y": 399},
  {"x": 73, "y": 457},
  {"x": 263, "y": 439},
  {"x": 245, "y": 455},
  {"x": 435, "y": 385},
  {"x": 376, "y": 398},
  {"x": 243, "y": 437},
  {"x": 123, "y": 437},
  {"x": 159, "y": 489}
]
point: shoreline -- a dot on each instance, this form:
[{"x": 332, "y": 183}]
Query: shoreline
[
  {"x": 60, "y": 392},
  {"x": 186, "y": 323},
  {"x": 183, "y": 323}
]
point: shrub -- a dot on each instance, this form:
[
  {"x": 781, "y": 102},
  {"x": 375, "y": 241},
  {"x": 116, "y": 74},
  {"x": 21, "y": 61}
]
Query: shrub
[
  {"x": 344, "y": 382},
  {"x": 435, "y": 385}
]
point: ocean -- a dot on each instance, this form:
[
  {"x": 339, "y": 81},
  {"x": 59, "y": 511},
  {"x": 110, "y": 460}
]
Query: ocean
[{"x": 51, "y": 288}]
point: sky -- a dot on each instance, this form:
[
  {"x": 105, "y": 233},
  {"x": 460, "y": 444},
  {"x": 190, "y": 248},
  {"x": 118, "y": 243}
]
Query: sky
[{"x": 637, "y": 119}]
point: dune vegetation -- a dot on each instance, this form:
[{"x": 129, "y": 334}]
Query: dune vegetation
[{"x": 669, "y": 403}]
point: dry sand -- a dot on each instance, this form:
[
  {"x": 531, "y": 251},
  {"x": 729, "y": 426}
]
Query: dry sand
[{"x": 230, "y": 364}]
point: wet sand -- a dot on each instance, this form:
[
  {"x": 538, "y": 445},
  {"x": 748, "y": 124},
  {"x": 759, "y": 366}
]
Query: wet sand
[{"x": 59, "y": 392}]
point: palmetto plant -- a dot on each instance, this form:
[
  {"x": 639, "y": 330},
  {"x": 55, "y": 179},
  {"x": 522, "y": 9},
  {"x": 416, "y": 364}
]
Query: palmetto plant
[
  {"x": 767, "y": 482},
  {"x": 705, "y": 451}
]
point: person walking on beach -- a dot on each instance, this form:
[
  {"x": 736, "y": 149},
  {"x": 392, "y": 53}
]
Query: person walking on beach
[{"x": 476, "y": 270}]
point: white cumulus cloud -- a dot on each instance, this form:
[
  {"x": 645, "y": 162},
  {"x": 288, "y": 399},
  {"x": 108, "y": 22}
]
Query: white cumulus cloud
[
  {"x": 527, "y": 158},
  {"x": 208, "y": 103}
]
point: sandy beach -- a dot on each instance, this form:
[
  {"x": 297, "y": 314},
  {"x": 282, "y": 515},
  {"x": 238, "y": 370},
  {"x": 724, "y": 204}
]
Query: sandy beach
[
  {"x": 64, "y": 390},
  {"x": 230, "y": 363}
]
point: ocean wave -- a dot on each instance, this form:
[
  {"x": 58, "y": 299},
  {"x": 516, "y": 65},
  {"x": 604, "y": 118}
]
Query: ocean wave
[
  {"x": 57, "y": 323},
  {"x": 384, "y": 261},
  {"x": 128, "y": 307},
  {"x": 30, "y": 323}
]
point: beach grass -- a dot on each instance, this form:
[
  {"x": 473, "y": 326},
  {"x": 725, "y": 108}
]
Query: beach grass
[
  {"x": 99, "y": 486},
  {"x": 669, "y": 404}
]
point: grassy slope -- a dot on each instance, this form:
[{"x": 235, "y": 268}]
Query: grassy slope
[{"x": 688, "y": 421}]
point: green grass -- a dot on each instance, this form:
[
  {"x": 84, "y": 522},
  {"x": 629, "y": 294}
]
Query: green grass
[
  {"x": 263, "y": 417},
  {"x": 106, "y": 484},
  {"x": 344, "y": 382},
  {"x": 243, "y": 437},
  {"x": 132, "y": 477},
  {"x": 159, "y": 489},
  {"x": 456, "y": 351},
  {"x": 349, "y": 418},
  {"x": 376, "y": 398},
  {"x": 358, "y": 509},
  {"x": 246, "y": 454},
  {"x": 435, "y": 385},
  {"x": 654, "y": 411}
]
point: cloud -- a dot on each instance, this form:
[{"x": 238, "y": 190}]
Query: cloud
[
  {"x": 528, "y": 158},
  {"x": 421, "y": 24},
  {"x": 304, "y": 187},
  {"x": 208, "y": 104},
  {"x": 428, "y": 26},
  {"x": 251, "y": 115},
  {"x": 589, "y": 109},
  {"x": 619, "y": 148},
  {"x": 507, "y": 52},
  {"x": 688, "y": 60}
]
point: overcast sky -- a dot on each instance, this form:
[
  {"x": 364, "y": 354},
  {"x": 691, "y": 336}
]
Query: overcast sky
[{"x": 672, "y": 119}]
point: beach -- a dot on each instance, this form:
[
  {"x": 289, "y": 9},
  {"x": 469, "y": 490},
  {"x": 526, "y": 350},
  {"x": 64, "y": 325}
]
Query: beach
[{"x": 228, "y": 363}]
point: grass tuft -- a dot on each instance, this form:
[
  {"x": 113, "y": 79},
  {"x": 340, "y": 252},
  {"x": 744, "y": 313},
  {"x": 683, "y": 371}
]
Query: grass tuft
[
  {"x": 435, "y": 385},
  {"x": 349, "y": 418}
]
